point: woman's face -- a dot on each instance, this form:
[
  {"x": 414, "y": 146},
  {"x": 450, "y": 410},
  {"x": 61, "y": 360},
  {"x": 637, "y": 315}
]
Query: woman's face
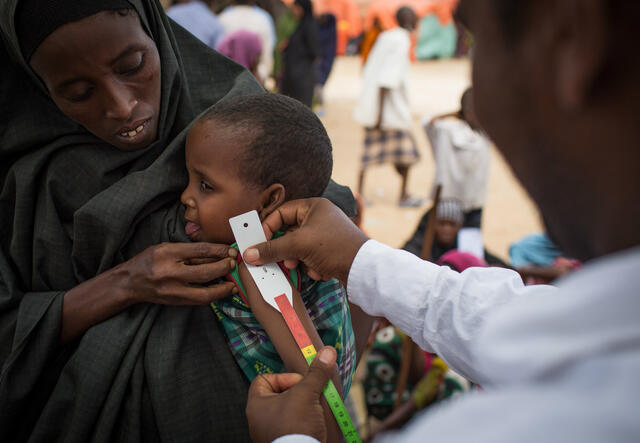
[
  {"x": 446, "y": 231},
  {"x": 297, "y": 10},
  {"x": 104, "y": 73}
]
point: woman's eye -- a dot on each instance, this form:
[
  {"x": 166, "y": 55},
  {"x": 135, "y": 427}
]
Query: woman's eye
[
  {"x": 77, "y": 98},
  {"x": 133, "y": 67},
  {"x": 205, "y": 187}
]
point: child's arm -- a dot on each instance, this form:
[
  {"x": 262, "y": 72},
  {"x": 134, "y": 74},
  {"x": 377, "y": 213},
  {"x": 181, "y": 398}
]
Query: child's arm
[
  {"x": 362, "y": 324},
  {"x": 275, "y": 326}
]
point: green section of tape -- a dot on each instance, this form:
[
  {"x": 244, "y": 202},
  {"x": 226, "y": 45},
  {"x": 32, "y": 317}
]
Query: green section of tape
[
  {"x": 339, "y": 410},
  {"x": 341, "y": 414}
]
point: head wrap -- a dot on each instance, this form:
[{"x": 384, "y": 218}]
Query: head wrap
[
  {"x": 306, "y": 6},
  {"x": 460, "y": 261},
  {"x": 450, "y": 210},
  {"x": 36, "y": 19},
  {"x": 242, "y": 46}
]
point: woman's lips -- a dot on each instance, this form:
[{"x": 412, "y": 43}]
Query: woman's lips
[
  {"x": 191, "y": 228},
  {"x": 134, "y": 134}
]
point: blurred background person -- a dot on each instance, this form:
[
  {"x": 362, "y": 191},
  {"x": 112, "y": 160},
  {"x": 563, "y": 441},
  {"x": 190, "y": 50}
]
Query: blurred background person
[
  {"x": 299, "y": 55},
  {"x": 243, "y": 47},
  {"x": 449, "y": 221},
  {"x": 462, "y": 153},
  {"x": 383, "y": 107},
  {"x": 246, "y": 15},
  {"x": 539, "y": 260},
  {"x": 327, "y": 44},
  {"x": 197, "y": 17},
  {"x": 286, "y": 25},
  {"x": 369, "y": 39}
]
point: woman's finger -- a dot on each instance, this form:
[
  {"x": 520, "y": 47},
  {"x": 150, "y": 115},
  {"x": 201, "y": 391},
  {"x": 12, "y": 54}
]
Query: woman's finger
[
  {"x": 200, "y": 261},
  {"x": 314, "y": 275},
  {"x": 183, "y": 295},
  {"x": 205, "y": 272},
  {"x": 189, "y": 251}
]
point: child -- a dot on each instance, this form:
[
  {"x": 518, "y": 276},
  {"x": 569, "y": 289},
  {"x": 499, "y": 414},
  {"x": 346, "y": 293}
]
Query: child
[
  {"x": 256, "y": 152},
  {"x": 462, "y": 155},
  {"x": 383, "y": 107},
  {"x": 449, "y": 221}
]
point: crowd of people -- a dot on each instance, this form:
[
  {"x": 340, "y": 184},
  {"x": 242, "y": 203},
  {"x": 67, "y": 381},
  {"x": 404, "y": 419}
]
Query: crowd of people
[{"x": 130, "y": 136}]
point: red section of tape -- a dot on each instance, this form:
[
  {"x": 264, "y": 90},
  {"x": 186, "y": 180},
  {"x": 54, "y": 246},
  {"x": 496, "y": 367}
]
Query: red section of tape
[{"x": 293, "y": 322}]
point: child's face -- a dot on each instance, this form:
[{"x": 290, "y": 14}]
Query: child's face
[
  {"x": 446, "y": 231},
  {"x": 215, "y": 192}
]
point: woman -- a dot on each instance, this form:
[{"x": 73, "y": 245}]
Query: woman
[
  {"x": 96, "y": 102},
  {"x": 243, "y": 47},
  {"x": 300, "y": 53}
]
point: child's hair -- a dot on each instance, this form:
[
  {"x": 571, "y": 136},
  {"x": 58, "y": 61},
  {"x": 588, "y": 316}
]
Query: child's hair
[{"x": 283, "y": 142}]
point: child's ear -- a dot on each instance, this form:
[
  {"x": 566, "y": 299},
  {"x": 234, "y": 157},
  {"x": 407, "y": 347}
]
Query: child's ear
[{"x": 272, "y": 198}]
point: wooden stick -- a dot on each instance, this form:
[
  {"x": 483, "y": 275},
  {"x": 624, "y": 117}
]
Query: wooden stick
[
  {"x": 403, "y": 373},
  {"x": 430, "y": 231},
  {"x": 407, "y": 343}
]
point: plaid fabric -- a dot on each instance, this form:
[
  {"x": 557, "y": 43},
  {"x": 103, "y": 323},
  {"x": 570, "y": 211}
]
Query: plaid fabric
[
  {"x": 329, "y": 311},
  {"x": 389, "y": 146}
]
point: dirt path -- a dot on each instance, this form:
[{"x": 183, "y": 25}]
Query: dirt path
[{"x": 435, "y": 88}]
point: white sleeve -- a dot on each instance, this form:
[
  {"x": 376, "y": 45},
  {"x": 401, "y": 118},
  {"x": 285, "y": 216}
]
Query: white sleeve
[
  {"x": 295, "y": 438},
  {"x": 441, "y": 310}
]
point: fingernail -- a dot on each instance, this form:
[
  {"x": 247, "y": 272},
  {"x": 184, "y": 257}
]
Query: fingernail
[
  {"x": 233, "y": 252},
  {"x": 234, "y": 290},
  {"x": 251, "y": 254},
  {"x": 233, "y": 264},
  {"x": 325, "y": 356}
]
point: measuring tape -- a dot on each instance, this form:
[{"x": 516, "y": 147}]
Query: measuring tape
[
  {"x": 276, "y": 291},
  {"x": 309, "y": 351}
]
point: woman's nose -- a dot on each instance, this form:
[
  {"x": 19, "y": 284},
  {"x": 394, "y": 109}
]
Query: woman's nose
[{"x": 120, "y": 103}]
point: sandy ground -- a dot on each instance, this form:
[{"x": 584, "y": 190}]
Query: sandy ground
[{"x": 435, "y": 88}]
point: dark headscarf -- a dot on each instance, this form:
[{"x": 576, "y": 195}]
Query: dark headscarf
[
  {"x": 306, "y": 6},
  {"x": 36, "y": 19},
  {"x": 306, "y": 32},
  {"x": 71, "y": 207}
]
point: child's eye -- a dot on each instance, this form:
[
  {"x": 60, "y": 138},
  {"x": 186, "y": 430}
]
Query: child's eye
[{"x": 205, "y": 187}]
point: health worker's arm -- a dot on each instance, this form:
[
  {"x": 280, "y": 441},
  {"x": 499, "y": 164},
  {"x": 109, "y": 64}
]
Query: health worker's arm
[{"x": 444, "y": 312}]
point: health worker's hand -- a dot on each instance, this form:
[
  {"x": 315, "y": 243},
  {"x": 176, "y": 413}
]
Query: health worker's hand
[
  {"x": 284, "y": 404},
  {"x": 319, "y": 234}
]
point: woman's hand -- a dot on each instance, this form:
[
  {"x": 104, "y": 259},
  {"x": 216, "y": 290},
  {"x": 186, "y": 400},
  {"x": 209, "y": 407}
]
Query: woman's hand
[
  {"x": 169, "y": 274},
  {"x": 176, "y": 273},
  {"x": 320, "y": 235}
]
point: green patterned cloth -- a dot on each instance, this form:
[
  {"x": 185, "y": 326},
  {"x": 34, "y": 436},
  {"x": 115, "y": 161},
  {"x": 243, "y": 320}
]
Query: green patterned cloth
[{"x": 326, "y": 303}]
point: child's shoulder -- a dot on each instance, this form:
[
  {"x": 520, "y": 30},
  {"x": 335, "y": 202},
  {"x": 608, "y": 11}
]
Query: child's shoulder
[
  {"x": 321, "y": 289},
  {"x": 326, "y": 301}
]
